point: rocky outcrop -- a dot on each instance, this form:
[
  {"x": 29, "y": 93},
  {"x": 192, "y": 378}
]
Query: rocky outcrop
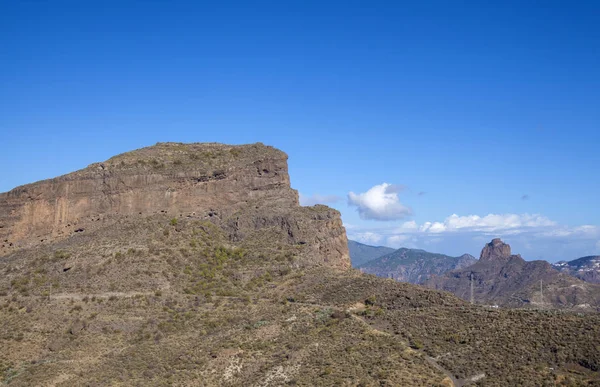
[
  {"x": 495, "y": 250},
  {"x": 505, "y": 279},
  {"x": 244, "y": 189}
]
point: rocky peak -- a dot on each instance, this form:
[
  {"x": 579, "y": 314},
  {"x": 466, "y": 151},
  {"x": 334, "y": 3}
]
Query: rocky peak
[{"x": 495, "y": 250}]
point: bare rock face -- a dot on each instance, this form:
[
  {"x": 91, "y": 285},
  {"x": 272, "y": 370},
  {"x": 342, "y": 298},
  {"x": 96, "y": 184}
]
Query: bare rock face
[
  {"x": 495, "y": 250},
  {"x": 244, "y": 189}
]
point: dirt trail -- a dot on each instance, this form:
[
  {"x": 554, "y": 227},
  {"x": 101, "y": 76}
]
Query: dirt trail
[
  {"x": 455, "y": 382},
  {"x": 81, "y": 296}
]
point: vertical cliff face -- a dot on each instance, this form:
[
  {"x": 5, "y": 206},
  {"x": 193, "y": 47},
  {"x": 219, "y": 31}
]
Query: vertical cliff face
[{"x": 209, "y": 181}]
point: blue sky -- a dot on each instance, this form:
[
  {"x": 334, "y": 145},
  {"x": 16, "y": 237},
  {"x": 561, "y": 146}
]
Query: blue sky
[{"x": 463, "y": 107}]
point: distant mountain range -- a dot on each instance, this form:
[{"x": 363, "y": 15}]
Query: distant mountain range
[
  {"x": 499, "y": 277},
  {"x": 585, "y": 268},
  {"x": 361, "y": 253},
  {"x": 413, "y": 265}
]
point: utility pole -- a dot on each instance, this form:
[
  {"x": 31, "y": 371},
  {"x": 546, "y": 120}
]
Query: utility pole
[
  {"x": 541, "y": 293},
  {"x": 472, "y": 298}
]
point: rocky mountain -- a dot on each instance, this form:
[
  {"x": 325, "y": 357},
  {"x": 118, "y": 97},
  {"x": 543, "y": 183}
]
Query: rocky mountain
[
  {"x": 361, "y": 253},
  {"x": 414, "y": 265},
  {"x": 499, "y": 277},
  {"x": 193, "y": 264},
  {"x": 245, "y": 189},
  {"x": 584, "y": 268}
]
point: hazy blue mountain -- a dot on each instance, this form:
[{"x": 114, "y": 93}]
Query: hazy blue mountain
[
  {"x": 361, "y": 253},
  {"x": 414, "y": 265}
]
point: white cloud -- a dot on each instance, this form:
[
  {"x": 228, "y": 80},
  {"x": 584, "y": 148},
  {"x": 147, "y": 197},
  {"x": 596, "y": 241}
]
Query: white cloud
[
  {"x": 407, "y": 227},
  {"x": 489, "y": 223},
  {"x": 381, "y": 202},
  {"x": 434, "y": 227},
  {"x": 367, "y": 237},
  {"x": 534, "y": 235},
  {"x": 397, "y": 240},
  {"x": 588, "y": 230},
  {"x": 318, "y": 199}
]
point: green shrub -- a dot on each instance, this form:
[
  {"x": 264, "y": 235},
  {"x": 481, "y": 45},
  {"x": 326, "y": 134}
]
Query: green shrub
[{"x": 61, "y": 255}]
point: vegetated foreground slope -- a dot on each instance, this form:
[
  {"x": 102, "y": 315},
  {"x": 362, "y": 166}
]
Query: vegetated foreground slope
[
  {"x": 163, "y": 299},
  {"x": 414, "y": 265},
  {"x": 361, "y": 253},
  {"x": 151, "y": 303},
  {"x": 505, "y": 279},
  {"x": 584, "y": 268}
]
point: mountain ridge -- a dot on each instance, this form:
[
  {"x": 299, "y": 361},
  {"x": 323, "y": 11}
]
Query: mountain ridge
[
  {"x": 585, "y": 268},
  {"x": 414, "y": 265},
  {"x": 361, "y": 253}
]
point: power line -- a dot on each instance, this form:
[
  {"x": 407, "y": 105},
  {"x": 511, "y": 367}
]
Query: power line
[
  {"x": 541, "y": 294},
  {"x": 472, "y": 297}
]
